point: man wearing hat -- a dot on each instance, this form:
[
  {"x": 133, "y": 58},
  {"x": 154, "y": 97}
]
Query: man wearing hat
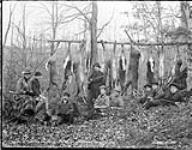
[
  {"x": 23, "y": 85},
  {"x": 116, "y": 100},
  {"x": 147, "y": 93},
  {"x": 96, "y": 79},
  {"x": 41, "y": 101},
  {"x": 25, "y": 105},
  {"x": 169, "y": 97}
]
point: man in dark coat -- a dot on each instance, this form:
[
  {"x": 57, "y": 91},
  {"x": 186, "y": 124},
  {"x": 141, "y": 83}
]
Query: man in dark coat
[
  {"x": 41, "y": 101},
  {"x": 23, "y": 84},
  {"x": 147, "y": 93},
  {"x": 169, "y": 97},
  {"x": 35, "y": 84},
  {"x": 25, "y": 105},
  {"x": 96, "y": 79}
]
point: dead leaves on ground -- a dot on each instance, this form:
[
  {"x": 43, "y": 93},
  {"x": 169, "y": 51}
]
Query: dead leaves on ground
[{"x": 133, "y": 126}]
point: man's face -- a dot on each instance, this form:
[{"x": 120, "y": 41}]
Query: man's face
[
  {"x": 70, "y": 77},
  {"x": 148, "y": 89},
  {"x": 96, "y": 68},
  {"x": 173, "y": 89},
  {"x": 154, "y": 86},
  {"x": 38, "y": 77},
  {"x": 103, "y": 91}
]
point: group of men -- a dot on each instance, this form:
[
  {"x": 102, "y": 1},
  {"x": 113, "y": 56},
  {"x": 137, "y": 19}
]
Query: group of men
[
  {"x": 28, "y": 93},
  {"x": 65, "y": 106},
  {"x": 62, "y": 102},
  {"x": 169, "y": 93}
]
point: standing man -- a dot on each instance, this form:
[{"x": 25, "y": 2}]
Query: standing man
[{"x": 96, "y": 79}]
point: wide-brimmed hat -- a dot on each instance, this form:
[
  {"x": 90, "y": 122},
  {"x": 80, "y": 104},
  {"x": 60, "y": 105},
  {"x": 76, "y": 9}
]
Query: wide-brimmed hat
[
  {"x": 97, "y": 65},
  {"x": 66, "y": 94},
  {"x": 102, "y": 87},
  {"x": 155, "y": 83},
  {"x": 38, "y": 74},
  {"x": 175, "y": 84},
  {"x": 26, "y": 71},
  {"x": 147, "y": 85}
]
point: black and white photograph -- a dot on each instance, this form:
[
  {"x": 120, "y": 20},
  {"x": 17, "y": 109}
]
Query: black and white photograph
[{"x": 96, "y": 74}]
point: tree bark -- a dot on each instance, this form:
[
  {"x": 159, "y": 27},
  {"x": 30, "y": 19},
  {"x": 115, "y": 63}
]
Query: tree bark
[
  {"x": 52, "y": 63},
  {"x": 186, "y": 22},
  {"x": 93, "y": 26},
  {"x": 160, "y": 39}
]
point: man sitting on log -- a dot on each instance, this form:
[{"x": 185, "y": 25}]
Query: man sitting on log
[{"x": 25, "y": 104}]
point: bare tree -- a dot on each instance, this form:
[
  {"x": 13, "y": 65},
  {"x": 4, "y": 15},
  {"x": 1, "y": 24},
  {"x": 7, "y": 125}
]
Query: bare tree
[{"x": 11, "y": 12}]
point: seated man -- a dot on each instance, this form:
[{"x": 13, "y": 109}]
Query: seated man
[
  {"x": 116, "y": 100},
  {"x": 147, "y": 93},
  {"x": 41, "y": 101},
  {"x": 155, "y": 88},
  {"x": 169, "y": 97},
  {"x": 25, "y": 105},
  {"x": 102, "y": 102}
]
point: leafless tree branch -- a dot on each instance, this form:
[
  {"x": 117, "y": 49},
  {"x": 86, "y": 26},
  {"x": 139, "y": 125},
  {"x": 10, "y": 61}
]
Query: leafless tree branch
[
  {"x": 105, "y": 25},
  {"x": 9, "y": 22},
  {"x": 80, "y": 11}
]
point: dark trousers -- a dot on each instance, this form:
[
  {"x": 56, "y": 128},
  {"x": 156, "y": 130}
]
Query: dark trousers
[
  {"x": 93, "y": 93},
  {"x": 158, "y": 102}
]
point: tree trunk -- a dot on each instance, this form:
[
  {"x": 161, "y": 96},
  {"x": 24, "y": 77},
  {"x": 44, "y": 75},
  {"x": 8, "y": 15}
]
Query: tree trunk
[
  {"x": 93, "y": 26},
  {"x": 52, "y": 63},
  {"x": 186, "y": 22},
  {"x": 160, "y": 39}
]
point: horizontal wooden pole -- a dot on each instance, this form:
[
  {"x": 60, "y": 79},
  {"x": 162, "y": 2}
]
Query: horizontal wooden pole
[{"x": 125, "y": 43}]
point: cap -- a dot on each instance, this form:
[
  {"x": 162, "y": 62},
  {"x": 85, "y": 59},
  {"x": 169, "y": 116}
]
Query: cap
[
  {"x": 26, "y": 71},
  {"x": 97, "y": 65}
]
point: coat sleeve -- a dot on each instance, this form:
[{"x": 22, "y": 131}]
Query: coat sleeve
[
  {"x": 20, "y": 87},
  {"x": 35, "y": 87},
  {"x": 161, "y": 95}
]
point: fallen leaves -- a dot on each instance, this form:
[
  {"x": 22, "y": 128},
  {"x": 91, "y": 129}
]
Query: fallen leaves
[{"x": 131, "y": 126}]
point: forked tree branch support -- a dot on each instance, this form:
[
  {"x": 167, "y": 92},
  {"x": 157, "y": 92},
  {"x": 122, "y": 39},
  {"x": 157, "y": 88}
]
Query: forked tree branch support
[{"x": 125, "y": 43}]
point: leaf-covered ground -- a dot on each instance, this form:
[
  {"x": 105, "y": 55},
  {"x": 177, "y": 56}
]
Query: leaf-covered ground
[{"x": 129, "y": 127}]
